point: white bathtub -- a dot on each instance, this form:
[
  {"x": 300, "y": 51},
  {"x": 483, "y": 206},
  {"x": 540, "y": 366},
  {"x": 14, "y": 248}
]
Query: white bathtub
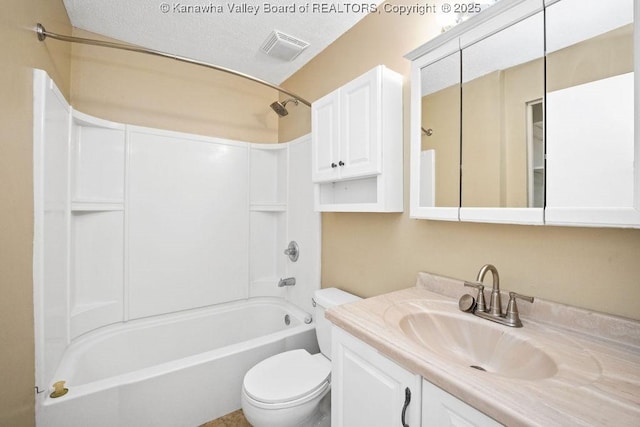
[{"x": 175, "y": 370}]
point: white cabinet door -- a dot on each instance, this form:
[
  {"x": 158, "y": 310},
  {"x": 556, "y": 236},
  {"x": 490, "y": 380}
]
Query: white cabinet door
[
  {"x": 441, "y": 409},
  {"x": 357, "y": 145},
  {"x": 347, "y": 127},
  {"x": 360, "y": 149},
  {"x": 325, "y": 122},
  {"x": 369, "y": 390}
]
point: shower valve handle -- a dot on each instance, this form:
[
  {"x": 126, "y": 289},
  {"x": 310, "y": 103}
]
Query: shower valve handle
[
  {"x": 340, "y": 163},
  {"x": 292, "y": 251},
  {"x": 333, "y": 165}
]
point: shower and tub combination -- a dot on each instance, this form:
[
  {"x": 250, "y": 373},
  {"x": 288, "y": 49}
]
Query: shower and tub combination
[
  {"x": 178, "y": 369},
  {"x": 157, "y": 259}
]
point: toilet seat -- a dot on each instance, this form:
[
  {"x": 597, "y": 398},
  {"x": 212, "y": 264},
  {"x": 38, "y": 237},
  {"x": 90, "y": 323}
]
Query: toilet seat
[{"x": 287, "y": 379}]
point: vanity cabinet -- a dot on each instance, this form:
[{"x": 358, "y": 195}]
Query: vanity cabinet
[
  {"x": 440, "y": 408},
  {"x": 368, "y": 389},
  {"x": 357, "y": 145}
]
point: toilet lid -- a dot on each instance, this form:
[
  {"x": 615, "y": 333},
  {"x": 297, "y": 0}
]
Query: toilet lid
[{"x": 287, "y": 376}]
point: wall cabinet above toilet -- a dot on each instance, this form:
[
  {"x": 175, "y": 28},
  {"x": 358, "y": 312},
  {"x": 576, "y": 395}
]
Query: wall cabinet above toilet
[{"x": 357, "y": 142}]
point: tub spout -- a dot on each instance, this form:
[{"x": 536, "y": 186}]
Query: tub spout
[{"x": 289, "y": 281}]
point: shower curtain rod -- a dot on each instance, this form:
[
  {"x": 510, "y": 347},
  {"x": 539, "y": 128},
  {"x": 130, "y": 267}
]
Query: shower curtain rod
[{"x": 43, "y": 34}]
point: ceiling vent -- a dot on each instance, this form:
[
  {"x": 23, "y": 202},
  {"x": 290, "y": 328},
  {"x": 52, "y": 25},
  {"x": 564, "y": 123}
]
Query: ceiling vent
[{"x": 283, "y": 46}]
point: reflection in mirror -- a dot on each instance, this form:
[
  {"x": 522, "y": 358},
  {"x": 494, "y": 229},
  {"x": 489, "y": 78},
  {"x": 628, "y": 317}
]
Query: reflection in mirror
[
  {"x": 590, "y": 104},
  {"x": 535, "y": 153},
  {"x": 440, "y": 136},
  {"x": 502, "y": 118}
]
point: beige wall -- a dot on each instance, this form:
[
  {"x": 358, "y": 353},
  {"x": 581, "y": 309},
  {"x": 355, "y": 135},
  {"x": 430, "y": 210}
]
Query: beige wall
[
  {"x": 21, "y": 52},
  {"x": 134, "y": 88},
  {"x": 441, "y": 114},
  {"x": 607, "y": 55},
  {"x": 482, "y": 155},
  {"x": 370, "y": 254},
  {"x": 494, "y": 135},
  {"x": 522, "y": 85}
]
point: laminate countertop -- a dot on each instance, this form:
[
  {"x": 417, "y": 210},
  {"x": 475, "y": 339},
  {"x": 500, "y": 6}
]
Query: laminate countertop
[{"x": 594, "y": 378}]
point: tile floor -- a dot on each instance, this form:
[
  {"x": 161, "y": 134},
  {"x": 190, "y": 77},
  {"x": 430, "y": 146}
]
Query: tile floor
[{"x": 234, "y": 419}]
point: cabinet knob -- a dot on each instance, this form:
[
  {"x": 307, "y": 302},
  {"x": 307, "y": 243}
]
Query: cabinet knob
[
  {"x": 341, "y": 163},
  {"x": 333, "y": 165}
]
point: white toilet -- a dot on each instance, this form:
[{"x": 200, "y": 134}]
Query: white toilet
[{"x": 286, "y": 390}]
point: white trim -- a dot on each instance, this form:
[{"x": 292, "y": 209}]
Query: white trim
[
  {"x": 531, "y": 216},
  {"x": 510, "y": 15},
  {"x": 415, "y": 209},
  {"x": 442, "y": 214},
  {"x": 39, "y": 88},
  {"x": 593, "y": 217},
  {"x": 83, "y": 119},
  {"x": 498, "y": 9},
  {"x": 184, "y": 135},
  {"x": 45, "y": 89}
]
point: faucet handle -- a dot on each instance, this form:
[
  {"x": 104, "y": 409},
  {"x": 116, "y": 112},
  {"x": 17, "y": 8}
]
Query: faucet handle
[
  {"x": 512, "y": 315},
  {"x": 480, "y": 303},
  {"x": 514, "y": 295},
  {"x": 292, "y": 251}
]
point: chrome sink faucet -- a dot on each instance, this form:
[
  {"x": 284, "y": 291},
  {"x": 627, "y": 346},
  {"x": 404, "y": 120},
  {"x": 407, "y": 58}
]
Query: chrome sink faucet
[{"x": 494, "y": 311}]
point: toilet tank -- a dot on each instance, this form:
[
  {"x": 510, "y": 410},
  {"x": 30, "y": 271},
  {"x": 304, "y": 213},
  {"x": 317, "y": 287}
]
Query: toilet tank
[{"x": 325, "y": 299}]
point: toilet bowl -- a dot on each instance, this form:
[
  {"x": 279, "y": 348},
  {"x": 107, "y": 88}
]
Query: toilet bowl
[{"x": 286, "y": 390}]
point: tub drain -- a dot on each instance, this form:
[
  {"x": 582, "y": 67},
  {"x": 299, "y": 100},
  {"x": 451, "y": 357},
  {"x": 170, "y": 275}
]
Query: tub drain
[
  {"x": 287, "y": 319},
  {"x": 479, "y": 368}
]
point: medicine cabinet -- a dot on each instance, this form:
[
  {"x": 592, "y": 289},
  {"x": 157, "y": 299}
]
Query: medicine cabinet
[{"x": 525, "y": 114}]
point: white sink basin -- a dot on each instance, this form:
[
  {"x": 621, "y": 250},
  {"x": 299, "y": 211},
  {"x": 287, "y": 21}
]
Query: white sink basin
[{"x": 479, "y": 344}]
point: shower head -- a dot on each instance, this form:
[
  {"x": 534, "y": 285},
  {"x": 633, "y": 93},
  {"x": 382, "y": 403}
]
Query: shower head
[{"x": 281, "y": 107}]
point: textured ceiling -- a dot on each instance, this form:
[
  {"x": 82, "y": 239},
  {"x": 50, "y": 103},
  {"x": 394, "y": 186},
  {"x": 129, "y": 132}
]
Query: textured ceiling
[{"x": 220, "y": 32}]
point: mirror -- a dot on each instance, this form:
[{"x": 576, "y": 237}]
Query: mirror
[
  {"x": 440, "y": 133},
  {"x": 435, "y": 130},
  {"x": 548, "y": 129},
  {"x": 590, "y": 105},
  {"x": 503, "y": 125}
]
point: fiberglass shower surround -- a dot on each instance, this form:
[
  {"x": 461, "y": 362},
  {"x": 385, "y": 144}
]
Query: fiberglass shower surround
[{"x": 134, "y": 223}]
